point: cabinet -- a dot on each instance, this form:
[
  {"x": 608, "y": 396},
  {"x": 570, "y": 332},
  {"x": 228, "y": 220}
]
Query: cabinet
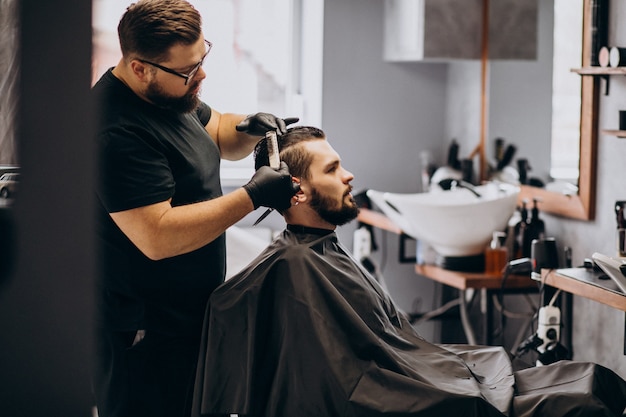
[{"x": 440, "y": 30}]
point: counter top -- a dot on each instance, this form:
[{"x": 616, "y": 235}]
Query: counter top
[
  {"x": 377, "y": 219},
  {"x": 585, "y": 283}
]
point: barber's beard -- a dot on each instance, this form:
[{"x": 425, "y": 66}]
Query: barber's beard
[
  {"x": 184, "y": 104},
  {"x": 325, "y": 207}
]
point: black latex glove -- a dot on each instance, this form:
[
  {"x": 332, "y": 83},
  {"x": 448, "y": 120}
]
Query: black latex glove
[
  {"x": 258, "y": 124},
  {"x": 272, "y": 188}
]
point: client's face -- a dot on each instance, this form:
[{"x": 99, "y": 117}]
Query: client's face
[{"x": 329, "y": 185}]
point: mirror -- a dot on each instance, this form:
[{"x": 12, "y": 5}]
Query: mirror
[{"x": 582, "y": 205}]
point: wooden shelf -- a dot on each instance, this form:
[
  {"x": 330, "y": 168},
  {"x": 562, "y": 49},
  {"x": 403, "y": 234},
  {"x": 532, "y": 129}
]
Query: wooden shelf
[
  {"x": 603, "y": 72},
  {"x": 600, "y": 70},
  {"x": 477, "y": 280},
  {"x": 586, "y": 284},
  {"x": 618, "y": 133}
]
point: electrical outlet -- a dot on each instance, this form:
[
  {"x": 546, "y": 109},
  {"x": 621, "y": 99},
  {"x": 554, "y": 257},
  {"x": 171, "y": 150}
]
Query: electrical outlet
[
  {"x": 362, "y": 243},
  {"x": 549, "y": 327}
]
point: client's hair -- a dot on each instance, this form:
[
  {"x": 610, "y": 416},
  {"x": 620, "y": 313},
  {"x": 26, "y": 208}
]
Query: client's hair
[{"x": 294, "y": 156}]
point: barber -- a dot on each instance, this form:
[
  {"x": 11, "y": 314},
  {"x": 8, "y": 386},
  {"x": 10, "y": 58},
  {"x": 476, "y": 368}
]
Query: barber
[{"x": 162, "y": 215}]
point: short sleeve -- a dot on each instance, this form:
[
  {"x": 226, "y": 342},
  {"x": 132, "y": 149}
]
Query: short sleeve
[
  {"x": 204, "y": 113},
  {"x": 133, "y": 172}
]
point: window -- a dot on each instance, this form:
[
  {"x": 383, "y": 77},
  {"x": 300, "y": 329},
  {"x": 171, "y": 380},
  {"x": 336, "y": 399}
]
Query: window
[{"x": 258, "y": 61}]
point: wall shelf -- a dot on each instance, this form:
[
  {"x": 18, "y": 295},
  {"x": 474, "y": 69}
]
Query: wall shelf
[
  {"x": 618, "y": 133},
  {"x": 603, "y": 72},
  {"x": 600, "y": 70}
]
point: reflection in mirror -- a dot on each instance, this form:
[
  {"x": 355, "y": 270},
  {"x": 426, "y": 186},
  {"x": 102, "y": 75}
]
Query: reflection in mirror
[
  {"x": 566, "y": 95},
  {"x": 8, "y": 100}
]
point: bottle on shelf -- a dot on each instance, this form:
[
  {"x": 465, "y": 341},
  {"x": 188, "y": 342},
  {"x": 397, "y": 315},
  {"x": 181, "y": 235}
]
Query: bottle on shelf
[
  {"x": 536, "y": 229},
  {"x": 520, "y": 233}
]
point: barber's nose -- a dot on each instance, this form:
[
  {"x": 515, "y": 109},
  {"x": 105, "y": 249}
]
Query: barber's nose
[{"x": 200, "y": 75}]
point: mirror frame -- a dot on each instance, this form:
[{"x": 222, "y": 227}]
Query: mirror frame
[{"x": 582, "y": 205}]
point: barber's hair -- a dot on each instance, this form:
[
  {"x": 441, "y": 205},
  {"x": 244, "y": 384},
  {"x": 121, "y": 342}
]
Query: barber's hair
[
  {"x": 296, "y": 158},
  {"x": 149, "y": 28}
]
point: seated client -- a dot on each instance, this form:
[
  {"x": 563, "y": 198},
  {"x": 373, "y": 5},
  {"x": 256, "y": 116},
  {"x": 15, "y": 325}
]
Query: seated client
[{"x": 305, "y": 331}]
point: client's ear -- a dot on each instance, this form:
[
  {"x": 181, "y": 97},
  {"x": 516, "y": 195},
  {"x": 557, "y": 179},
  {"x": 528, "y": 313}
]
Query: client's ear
[{"x": 300, "y": 196}]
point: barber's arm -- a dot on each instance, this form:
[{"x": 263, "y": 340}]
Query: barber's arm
[
  {"x": 161, "y": 231},
  {"x": 236, "y": 134}
]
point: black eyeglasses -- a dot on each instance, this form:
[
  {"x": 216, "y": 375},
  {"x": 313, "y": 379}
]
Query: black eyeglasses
[{"x": 187, "y": 76}]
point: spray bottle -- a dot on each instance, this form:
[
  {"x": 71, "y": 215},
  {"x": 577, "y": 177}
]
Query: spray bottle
[{"x": 536, "y": 229}]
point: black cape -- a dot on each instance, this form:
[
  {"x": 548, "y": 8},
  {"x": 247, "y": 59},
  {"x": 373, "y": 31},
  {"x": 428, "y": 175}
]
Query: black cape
[{"x": 304, "y": 330}]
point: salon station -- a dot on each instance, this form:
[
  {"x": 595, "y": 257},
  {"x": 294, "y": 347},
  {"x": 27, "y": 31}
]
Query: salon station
[
  {"x": 486, "y": 139},
  {"x": 487, "y": 226}
]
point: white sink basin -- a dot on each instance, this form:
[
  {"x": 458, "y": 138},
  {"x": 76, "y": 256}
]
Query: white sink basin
[{"x": 455, "y": 223}]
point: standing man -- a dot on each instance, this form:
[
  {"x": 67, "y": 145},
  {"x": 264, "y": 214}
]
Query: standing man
[{"x": 162, "y": 215}]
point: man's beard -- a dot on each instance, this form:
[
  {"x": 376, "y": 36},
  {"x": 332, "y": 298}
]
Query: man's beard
[
  {"x": 324, "y": 206},
  {"x": 184, "y": 104}
]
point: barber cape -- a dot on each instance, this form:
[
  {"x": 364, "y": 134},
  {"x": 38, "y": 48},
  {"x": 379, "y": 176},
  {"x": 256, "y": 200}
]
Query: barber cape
[{"x": 305, "y": 331}]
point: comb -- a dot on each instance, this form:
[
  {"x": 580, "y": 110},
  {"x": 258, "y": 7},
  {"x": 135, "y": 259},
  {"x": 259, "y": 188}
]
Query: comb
[
  {"x": 272, "y": 149},
  {"x": 274, "y": 160}
]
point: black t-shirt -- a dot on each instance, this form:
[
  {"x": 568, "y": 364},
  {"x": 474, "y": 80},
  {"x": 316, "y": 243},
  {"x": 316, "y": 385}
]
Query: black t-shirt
[{"x": 148, "y": 155}]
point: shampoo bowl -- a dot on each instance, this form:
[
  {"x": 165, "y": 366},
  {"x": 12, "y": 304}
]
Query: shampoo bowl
[{"x": 456, "y": 223}]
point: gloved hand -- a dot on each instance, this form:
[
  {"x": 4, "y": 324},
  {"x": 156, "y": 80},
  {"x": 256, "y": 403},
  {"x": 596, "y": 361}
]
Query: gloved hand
[
  {"x": 258, "y": 124},
  {"x": 272, "y": 188}
]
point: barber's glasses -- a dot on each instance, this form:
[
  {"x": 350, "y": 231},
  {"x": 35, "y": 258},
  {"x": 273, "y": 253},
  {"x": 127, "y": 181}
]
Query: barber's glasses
[{"x": 190, "y": 74}]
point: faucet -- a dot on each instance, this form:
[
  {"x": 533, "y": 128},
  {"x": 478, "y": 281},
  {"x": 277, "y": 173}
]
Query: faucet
[{"x": 451, "y": 184}]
